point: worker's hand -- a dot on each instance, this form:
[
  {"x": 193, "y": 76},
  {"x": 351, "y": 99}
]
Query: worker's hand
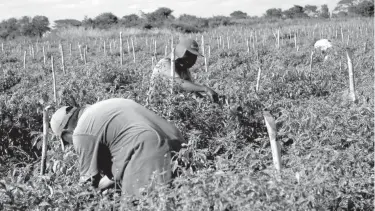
[
  {"x": 213, "y": 95},
  {"x": 105, "y": 183}
]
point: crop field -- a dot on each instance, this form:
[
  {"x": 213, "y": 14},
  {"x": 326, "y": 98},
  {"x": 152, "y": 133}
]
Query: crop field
[{"x": 326, "y": 139}]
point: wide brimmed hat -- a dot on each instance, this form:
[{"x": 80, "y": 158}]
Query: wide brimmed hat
[
  {"x": 187, "y": 44},
  {"x": 60, "y": 118}
]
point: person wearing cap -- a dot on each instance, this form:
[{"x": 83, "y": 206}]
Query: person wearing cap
[
  {"x": 186, "y": 54},
  {"x": 118, "y": 140}
]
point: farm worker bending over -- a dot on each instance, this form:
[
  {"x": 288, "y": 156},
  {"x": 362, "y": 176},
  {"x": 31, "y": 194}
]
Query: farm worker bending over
[
  {"x": 120, "y": 139},
  {"x": 186, "y": 54}
]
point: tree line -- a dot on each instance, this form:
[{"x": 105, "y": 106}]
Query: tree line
[{"x": 163, "y": 18}]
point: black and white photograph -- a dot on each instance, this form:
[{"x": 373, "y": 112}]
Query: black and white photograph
[{"x": 187, "y": 105}]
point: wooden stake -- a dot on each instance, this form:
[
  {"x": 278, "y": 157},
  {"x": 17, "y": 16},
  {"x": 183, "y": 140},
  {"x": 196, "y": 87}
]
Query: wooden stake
[
  {"x": 155, "y": 49},
  {"x": 127, "y": 42},
  {"x": 62, "y": 58},
  {"x": 44, "y": 55},
  {"x": 342, "y": 35},
  {"x": 45, "y": 140},
  {"x": 278, "y": 38},
  {"x": 80, "y": 51},
  {"x": 53, "y": 80},
  {"x": 172, "y": 67},
  {"x": 110, "y": 47},
  {"x": 349, "y": 56},
  {"x": 247, "y": 44},
  {"x": 24, "y": 60},
  {"x": 104, "y": 48},
  {"x": 133, "y": 50},
  {"x": 272, "y": 133},
  {"x": 258, "y": 79},
  {"x": 203, "y": 46},
  {"x": 209, "y": 51},
  {"x": 311, "y": 63},
  {"x": 121, "y": 51},
  {"x": 85, "y": 54}
]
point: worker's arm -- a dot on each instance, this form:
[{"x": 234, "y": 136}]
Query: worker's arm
[{"x": 193, "y": 87}]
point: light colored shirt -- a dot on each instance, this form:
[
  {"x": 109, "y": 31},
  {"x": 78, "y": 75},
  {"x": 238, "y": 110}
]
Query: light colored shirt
[
  {"x": 163, "y": 69},
  {"x": 108, "y": 131}
]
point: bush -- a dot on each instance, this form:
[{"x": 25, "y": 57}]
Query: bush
[{"x": 184, "y": 28}]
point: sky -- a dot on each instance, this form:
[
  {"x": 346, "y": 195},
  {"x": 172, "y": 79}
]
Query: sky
[{"x": 77, "y": 9}]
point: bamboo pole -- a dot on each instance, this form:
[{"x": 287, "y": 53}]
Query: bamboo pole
[
  {"x": 349, "y": 56},
  {"x": 127, "y": 42},
  {"x": 80, "y": 51},
  {"x": 228, "y": 42},
  {"x": 133, "y": 50},
  {"x": 45, "y": 140},
  {"x": 104, "y": 48},
  {"x": 32, "y": 51},
  {"x": 24, "y": 60},
  {"x": 53, "y": 80},
  {"x": 248, "y": 46},
  {"x": 311, "y": 63},
  {"x": 121, "y": 51},
  {"x": 85, "y": 54},
  {"x": 278, "y": 38},
  {"x": 44, "y": 55},
  {"x": 110, "y": 47},
  {"x": 272, "y": 133},
  {"x": 342, "y": 35},
  {"x": 62, "y": 58},
  {"x": 258, "y": 79},
  {"x": 209, "y": 51},
  {"x": 155, "y": 49},
  {"x": 70, "y": 49},
  {"x": 172, "y": 66},
  {"x": 203, "y": 46}
]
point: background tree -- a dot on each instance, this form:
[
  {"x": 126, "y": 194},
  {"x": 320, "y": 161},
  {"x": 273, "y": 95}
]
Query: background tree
[
  {"x": 25, "y": 26},
  {"x": 88, "y": 23},
  {"x": 324, "y": 11},
  {"x": 238, "y": 14},
  {"x": 40, "y": 25},
  {"x": 219, "y": 21},
  {"x": 105, "y": 20},
  {"x": 193, "y": 20},
  {"x": 9, "y": 29},
  {"x": 159, "y": 16},
  {"x": 311, "y": 11},
  {"x": 274, "y": 13},
  {"x": 344, "y": 5},
  {"x": 295, "y": 12},
  {"x": 364, "y": 8},
  {"x": 67, "y": 23},
  {"x": 131, "y": 20}
]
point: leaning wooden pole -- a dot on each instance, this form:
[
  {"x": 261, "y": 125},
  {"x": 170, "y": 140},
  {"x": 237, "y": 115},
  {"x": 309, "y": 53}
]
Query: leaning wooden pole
[
  {"x": 349, "y": 56},
  {"x": 53, "y": 80},
  {"x": 258, "y": 79},
  {"x": 45, "y": 140},
  {"x": 172, "y": 66},
  {"x": 272, "y": 133}
]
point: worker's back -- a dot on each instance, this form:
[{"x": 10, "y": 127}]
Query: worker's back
[{"x": 120, "y": 125}]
